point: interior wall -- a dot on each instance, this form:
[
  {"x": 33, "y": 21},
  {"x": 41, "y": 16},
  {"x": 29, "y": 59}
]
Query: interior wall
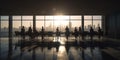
[{"x": 113, "y": 25}]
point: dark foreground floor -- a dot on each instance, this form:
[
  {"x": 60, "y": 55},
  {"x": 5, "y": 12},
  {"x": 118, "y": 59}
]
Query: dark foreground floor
[{"x": 95, "y": 49}]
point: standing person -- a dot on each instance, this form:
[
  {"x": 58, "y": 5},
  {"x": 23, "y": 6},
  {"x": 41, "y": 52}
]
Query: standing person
[
  {"x": 67, "y": 32},
  {"x": 80, "y": 31},
  {"x": 91, "y": 32},
  {"x": 42, "y": 32},
  {"x": 76, "y": 33},
  {"x": 99, "y": 32},
  {"x": 23, "y": 32},
  {"x": 57, "y": 33},
  {"x": 30, "y": 32}
]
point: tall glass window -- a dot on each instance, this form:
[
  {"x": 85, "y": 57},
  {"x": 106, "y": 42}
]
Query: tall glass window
[
  {"x": 40, "y": 22},
  {"x": 16, "y": 23},
  {"x": 87, "y": 22},
  {"x": 27, "y": 21},
  {"x": 4, "y": 26},
  {"x": 75, "y": 21},
  {"x": 93, "y": 21},
  {"x": 97, "y": 20},
  {"x": 49, "y": 23},
  {"x": 61, "y": 22}
]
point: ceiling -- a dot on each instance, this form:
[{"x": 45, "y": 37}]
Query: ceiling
[{"x": 52, "y": 7}]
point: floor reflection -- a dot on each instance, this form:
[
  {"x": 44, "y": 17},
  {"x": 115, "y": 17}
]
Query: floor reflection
[{"x": 58, "y": 49}]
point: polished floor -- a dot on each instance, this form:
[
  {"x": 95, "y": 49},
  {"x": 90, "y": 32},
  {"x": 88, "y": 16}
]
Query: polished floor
[{"x": 59, "y": 49}]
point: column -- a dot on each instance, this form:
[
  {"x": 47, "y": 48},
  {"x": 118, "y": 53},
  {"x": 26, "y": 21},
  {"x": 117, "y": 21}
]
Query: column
[
  {"x": 21, "y": 21},
  {"x": 34, "y": 23},
  {"x": 82, "y": 23},
  {"x": 10, "y": 26},
  {"x": 10, "y": 38},
  {"x": 92, "y": 21}
]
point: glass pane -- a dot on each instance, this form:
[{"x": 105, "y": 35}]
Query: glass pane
[
  {"x": 39, "y": 25},
  {"x": 4, "y": 17},
  {"x": 27, "y": 24},
  {"x": 48, "y": 17},
  {"x": 40, "y": 17},
  {"x": 97, "y": 17},
  {"x": 61, "y": 24},
  {"x": 4, "y": 24},
  {"x": 96, "y": 24},
  {"x": 75, "y": 17},
  {"x": 87, "y": 17},
  {"x": 4, "y": 29},
  {"x": 16, "y": 25},
  {"x": 16, "y": 17},
  {"x": 49, "y": 25},
  {"x": 74, "y": 24},
  {"x": 27, "y": 17},
  {"x": 87, "y": 25}
]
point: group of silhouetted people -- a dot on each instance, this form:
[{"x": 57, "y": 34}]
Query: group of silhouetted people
[
  {"x": 76, "y": 32},
  {"x": 99, "y": 32},
  {"x": 32, "y": 33}
]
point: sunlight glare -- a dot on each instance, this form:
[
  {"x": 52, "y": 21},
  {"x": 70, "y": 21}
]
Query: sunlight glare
[{"x": 60, "y": 20}]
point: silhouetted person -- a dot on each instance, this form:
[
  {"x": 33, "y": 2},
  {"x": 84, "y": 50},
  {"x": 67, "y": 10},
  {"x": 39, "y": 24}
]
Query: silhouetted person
[
  {"x": 76, "y": 32},
  {"x": 30, "y": 32},
  {"x": 23, "y": 32},
  {"x": 57, "y": 33},
  {"x": 99, "y": 32},
  {"x": 80, "y": 31},
  {"x": 67, "y": 32},
  {"x": 42, "y": 32},
  {"x": 91, "y": 32}
]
